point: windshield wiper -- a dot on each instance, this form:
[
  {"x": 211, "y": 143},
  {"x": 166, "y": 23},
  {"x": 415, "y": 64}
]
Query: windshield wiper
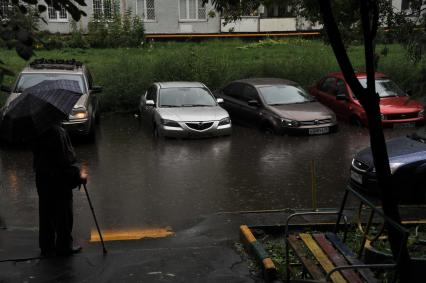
[
  {"x": 195, "y": 105},
  {"x": 166, "y": 105}
]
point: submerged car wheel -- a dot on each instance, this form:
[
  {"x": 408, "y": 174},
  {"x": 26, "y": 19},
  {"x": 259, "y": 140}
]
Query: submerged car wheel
[
  {"x": 268, "y": 129},
  {"x": 155, "y": 132},
  {"x": 356, "y": 121}
]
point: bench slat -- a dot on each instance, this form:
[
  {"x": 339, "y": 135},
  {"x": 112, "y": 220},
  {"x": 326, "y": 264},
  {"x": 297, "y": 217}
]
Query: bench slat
[
  {"x": 336, "y": 258},
  {"x": 310, "y": 266},
  {"x": 350, "y": 257},
  {"x": 322, "y": 258}
]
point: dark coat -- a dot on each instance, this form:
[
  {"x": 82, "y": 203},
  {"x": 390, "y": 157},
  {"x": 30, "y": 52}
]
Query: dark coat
[{"x": 54, "y": 159}]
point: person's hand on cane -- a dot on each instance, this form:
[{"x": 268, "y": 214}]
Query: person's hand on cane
[{"x": 83, "y": 178}]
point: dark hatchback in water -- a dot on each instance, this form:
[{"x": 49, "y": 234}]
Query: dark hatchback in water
[
  {"x": 407, "y": 158},
  {"x": 276, "y": 106}
]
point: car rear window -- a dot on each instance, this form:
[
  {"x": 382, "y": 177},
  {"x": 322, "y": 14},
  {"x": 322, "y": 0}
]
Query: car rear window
[
  {"x": 28, "y": 80},
  {"x": 284, "y": 94}
]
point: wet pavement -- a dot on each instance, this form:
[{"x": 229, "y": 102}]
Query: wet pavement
[{"x": 137, "y": 182}]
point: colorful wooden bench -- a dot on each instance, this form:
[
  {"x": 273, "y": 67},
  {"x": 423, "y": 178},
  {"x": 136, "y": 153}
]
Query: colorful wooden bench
[{"x": 325, "y": 256}]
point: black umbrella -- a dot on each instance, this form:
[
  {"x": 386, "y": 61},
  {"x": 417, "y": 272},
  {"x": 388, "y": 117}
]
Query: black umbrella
[{"x": 37, "y": 108}]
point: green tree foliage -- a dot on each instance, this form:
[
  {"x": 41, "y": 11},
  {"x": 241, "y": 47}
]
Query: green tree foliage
[{"x": 17, "y": 29}]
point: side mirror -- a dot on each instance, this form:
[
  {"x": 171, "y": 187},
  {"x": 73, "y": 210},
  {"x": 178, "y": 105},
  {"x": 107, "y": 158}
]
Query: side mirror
[
  {"x": 341, "y": 96},
  {"x": 253, "y": 102},
  {"x": 5, "y": 88},
  {"x": 150, "y": 103},
  {"x": 409, "y": 92},
  {"x": 96, "y": 89},
  {"x": 219, "y": 100}
]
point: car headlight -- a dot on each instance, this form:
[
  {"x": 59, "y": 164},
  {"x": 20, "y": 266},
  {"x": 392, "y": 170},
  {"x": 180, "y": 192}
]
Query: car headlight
[
  {"x": 225, "y": 121},
  {"x": 422, "y": 113},
  {"x": 79, "y": 113},
  {"x": 169, "y": 123},
  {"x": 394, "y": 166},
  {"x": 290, "y": 123}
]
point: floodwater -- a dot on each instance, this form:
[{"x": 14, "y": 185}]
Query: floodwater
[{"x": 138, "y": 182}]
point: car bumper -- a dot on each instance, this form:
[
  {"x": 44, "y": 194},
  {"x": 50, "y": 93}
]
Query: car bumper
[
  {"x": 404, "y": 123},
  {"x": 311, "y": 130},
  {"x": 79, "y": 127},
  {"x": 407, "y": 191},
  {"x": 186, "y": 132}
]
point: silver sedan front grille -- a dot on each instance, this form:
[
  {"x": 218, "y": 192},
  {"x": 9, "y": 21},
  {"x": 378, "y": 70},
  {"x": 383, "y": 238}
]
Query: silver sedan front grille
[{"x": 199, "y": 126}]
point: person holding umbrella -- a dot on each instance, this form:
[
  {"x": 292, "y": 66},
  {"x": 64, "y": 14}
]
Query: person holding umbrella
[{"x": 35, "y": 117}]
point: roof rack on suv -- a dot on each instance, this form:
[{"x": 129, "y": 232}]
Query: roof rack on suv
[{"x": 43, "y": 63}]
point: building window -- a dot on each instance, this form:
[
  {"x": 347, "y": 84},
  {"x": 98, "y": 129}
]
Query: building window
[
  {"x": 192, "y": 10},
  {"x": 405, "y": 5},
  {"x": 5, "y": 9},
  {"x": 105, "y": 9},
  {"x": 146, "y": 9},
  {"x": 55, "y": 15},
  {"x": 280, "y": 11}
]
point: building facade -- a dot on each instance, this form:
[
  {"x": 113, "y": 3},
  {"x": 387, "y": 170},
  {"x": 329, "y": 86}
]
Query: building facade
[{"x": 180, "y": 17}]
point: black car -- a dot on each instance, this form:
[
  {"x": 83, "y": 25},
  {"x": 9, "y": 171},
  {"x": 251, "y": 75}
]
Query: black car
[
  {"x": 276, "y": 106},
  {"x": 407, "y": 158}
]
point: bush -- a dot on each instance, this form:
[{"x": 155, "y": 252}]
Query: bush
[
  {"x": 126, "y": 73},
  {"x": 120, "y": 31}
]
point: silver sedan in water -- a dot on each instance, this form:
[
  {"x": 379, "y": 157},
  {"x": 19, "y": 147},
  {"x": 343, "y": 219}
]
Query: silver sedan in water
[{"x": 183, "y": 110}]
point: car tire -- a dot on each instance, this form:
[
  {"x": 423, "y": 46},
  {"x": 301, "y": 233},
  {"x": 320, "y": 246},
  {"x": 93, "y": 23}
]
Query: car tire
[
  {"x": 91, "y": 135},
  {"x": 155, "y": 132},
  {"x": 268, "y": 129},
  {"x": 356, "y": 121}
]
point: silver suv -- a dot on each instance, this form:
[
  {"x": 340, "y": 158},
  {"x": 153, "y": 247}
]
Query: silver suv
[{"x": 85, "y": 112}]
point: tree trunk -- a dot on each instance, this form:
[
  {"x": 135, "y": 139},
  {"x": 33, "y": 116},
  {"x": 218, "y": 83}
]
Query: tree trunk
[{"x": 369, "y": 99}]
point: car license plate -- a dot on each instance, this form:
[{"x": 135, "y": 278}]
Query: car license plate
[
  {"x": 404, "y": 125},
  {"x": 356, "y": 177},
  {"x": 319, "y": 131}
]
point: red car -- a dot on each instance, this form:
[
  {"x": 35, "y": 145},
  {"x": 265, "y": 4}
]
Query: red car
[{"x": 396, "y": 107}]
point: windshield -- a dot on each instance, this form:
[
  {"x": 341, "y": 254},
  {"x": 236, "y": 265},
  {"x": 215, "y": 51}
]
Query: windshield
[
  {"x": 186, "y": 97},
  {"x": 29, "y": 80},
  {"x": 284, "y": 94},
  {"x": 385, "y": 87}
]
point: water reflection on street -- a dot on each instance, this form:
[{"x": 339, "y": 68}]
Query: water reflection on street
[{"x": 138, "y": 182}]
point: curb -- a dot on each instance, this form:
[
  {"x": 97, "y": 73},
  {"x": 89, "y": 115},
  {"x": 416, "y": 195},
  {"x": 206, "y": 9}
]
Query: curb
[{"x": 254, "y": 247}]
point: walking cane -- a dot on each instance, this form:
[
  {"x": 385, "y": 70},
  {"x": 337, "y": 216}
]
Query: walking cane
[{"x": 94, "y": 217}]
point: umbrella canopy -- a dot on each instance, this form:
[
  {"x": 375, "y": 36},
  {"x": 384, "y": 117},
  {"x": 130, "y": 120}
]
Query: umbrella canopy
[{"x": 37, "y": 108}]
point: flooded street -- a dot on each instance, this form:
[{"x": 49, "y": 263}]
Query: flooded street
[{"x": 138, "y": 182}]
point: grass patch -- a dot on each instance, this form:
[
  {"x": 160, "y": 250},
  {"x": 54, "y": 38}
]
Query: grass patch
[{"x": 126, "y": 73}]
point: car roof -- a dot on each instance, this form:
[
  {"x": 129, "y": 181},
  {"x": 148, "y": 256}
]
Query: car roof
[
  {"x": 359, "y": 75},
  {"x": 259, "y": 82},
  {"x": 179, "y": 84}
]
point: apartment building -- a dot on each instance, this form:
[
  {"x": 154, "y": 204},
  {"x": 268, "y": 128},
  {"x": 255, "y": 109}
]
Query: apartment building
[{"x": 181, "y": 17}]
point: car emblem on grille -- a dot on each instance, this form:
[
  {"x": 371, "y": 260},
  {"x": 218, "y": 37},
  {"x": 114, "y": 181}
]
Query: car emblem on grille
[
  {"x": 316, "y": 122},
  {"x": 200, "y": 123}
]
